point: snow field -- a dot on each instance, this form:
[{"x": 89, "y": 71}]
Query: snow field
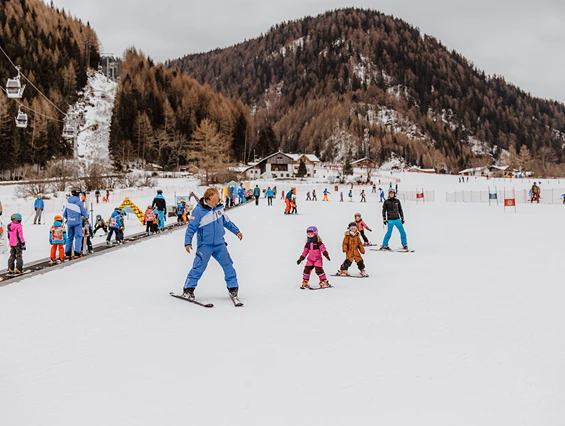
[{"x": 467, "y": 330}]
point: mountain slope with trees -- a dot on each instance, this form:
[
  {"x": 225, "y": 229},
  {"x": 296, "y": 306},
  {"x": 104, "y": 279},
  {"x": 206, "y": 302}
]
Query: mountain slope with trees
[
  {"x": 166, "y": 118},
  {"x": 317, "y": 83},
  {"x": 54, "y": 51}
]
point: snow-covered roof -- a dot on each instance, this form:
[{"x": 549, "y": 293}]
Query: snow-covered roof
[
  {"x": 362, "y": 159},
  {"x": 501, "y": 168},
  {"x": 473, "y": 169},
  {"x": 311, "y": 157}
]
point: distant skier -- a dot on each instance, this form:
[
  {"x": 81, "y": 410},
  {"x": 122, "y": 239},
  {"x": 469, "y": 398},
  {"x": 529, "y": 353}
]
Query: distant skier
[
  {"x": 39, "y": 206},
  {"x": 341, "y": 197},
  {"x": 161, "y": 204},
  {"x": 363, "y": 199},
  {"x": 353, "y": 250},
  {"x": 256, "y": 194},
  {"x": 293, "y": 205},
  {"x": 535, "y": 191},
  {"x": 308, "y": 198},
  {"x": 115, "y": 226},
  {"x": 87, "y": 234},
  {"x": 288, "y": 202},
  {"x": 393, "y": 217},
  {"x": 74, "y": 212},
  {"x": 314, "y": 198},
  {"x": 270, "y": 195},
  {"x": 361, "y": 226},
  {"x": 208, "y": 222},
  {"x": 326, "y": 193},
  {"x": 17, "y": 244},
  {"x": 350, "y": 195},
  {"x": 97, "y": 195},
  {"x": 313, "y": 251},
  {"x": 149, "y": 218},
  {"x": 374, "y": 191}
]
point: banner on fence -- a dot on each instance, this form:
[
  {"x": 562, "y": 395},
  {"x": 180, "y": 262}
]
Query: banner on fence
[
  {"x": 492, "y": 195},
  {"x": 510, "y": 201}
]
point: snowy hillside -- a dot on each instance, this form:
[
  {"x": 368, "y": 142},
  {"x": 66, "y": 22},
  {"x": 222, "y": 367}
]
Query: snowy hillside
[
  {"x": 466, "y": 331},
  {"x": 92, "y": 115}
]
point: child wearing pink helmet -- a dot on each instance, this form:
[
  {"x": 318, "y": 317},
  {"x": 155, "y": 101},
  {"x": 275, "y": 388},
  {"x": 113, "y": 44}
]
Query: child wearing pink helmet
[{"x": 313, "y": 251}]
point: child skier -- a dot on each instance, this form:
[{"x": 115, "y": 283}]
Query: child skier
[
  {"x": 293, "y": 205},
  {"x": 115, "y": 225},
  {"x": 363, "y": 199},
  {"x": 353, "y": 250},
  {"x": 326, "y": 193},
  {"x": 350, "y": 195},
  {"x": 313, "y": 251},
  {"x": 149, "y": 220},
  {"x": 57, "y": 239},
  {"x": 361, "y": 226},
  {"x": 341, "y": 197},
  {"x": 17, "y": 244},
  {"x": 100, "y": 224},
  {"x": 87, "y": 234}
]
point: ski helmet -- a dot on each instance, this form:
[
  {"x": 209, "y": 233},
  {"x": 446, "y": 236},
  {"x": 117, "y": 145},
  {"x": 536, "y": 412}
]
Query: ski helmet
[
  {"x": 75, "y": 192},
  {"x": 352, "y": 225},
  {"x": 391, "y": 189},
  {"x": 312, "y": 229},
  {"x": 357, "y": 214},
  {"x": 58, "y": 218},
  {"x": 16, "y": 217}
]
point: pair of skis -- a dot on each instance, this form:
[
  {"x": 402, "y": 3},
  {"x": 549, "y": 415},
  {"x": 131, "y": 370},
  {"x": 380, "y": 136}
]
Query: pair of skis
[
  {"x": 236, "y": 302},
  {"x": 8, "y": 276},
  {"x": 395, "y": 250}
]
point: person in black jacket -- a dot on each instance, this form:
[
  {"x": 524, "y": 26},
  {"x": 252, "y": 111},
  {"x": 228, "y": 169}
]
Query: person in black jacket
[
  {"x": 161, "y": 205},
  {"x": 256, "y": 194},
  {"x": 393, "y": 216}
]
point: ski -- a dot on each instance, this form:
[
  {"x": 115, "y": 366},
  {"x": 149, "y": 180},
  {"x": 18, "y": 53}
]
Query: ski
[
  {"x": 395, "y": 250},
  {"x": 196, "y": 302},
  {"x": 319, "y": 288},
  {"x": 236, "y": 302},
  {"x": 351, "y": 276},
  {"x": 8, "y": 276}
]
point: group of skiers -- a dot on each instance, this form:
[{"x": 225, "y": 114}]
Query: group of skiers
[
  {"x": 209, "y": 220},
  {"x": 72, "y": 229}
]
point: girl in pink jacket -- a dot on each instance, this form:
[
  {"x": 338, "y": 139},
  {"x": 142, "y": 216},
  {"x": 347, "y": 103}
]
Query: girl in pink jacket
[
  {"x": 17, "y": 244},
  {"x": 313, "y": 251}
]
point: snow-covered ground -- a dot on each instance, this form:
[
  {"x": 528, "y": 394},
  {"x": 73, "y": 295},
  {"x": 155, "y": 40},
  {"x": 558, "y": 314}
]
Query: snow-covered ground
[{"x": 467, "y": 330}]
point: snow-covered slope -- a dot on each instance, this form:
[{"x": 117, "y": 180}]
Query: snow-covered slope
[
  {"x": 92, "y": 116},
  {"x": 466, "y": 331}
]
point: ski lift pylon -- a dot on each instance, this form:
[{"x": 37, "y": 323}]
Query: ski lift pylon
[
  {"x": 68, "y": 131},
  {"x": 14, "y": 88}
]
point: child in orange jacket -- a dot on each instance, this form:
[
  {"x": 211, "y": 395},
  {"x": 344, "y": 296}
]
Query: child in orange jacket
[{"x": 353, "y": 249}]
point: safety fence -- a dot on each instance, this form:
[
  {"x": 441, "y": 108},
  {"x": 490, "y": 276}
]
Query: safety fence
[{"x": 547, "y": 196}]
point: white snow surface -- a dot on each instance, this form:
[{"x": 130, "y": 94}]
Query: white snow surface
[{"x": 467, "y": 330}]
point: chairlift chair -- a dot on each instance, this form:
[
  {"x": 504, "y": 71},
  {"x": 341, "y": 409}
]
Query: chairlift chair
[
  {"x": 21, "y": 119},
  {"x": 68, "y": 131},
  {"x": 14, "y": 88}
]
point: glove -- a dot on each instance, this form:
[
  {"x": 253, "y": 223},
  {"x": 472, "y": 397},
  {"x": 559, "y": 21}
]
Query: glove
[
  {"x": 385, "y": 222},
  {"x": 327, "y": 256},
  {"x": 370, "y": 230},
  {"x": 23, "y": 247},
  {"x": 300, "y": 259},
  {"x": 403, "y": 221}
]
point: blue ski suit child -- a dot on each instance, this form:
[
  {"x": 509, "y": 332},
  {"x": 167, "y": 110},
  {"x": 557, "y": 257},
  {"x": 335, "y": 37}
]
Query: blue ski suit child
[{"x": 208, "y": 224}]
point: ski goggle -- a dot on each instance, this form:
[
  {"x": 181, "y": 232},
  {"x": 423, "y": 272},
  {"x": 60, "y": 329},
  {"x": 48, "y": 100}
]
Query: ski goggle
[
  {"x": 353, "y": 228},
  {"x": 310, "y": 234}
]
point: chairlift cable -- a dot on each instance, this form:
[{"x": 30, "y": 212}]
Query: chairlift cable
[{"x": 34, "y": 111}]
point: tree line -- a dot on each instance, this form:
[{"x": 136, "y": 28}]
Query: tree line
[{"x": 54, "y": 50}]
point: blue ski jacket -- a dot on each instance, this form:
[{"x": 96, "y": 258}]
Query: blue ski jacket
[
  {"x": 39, "y": 204},
  {"x": 74, "y": 211},
  {"x": 208, "y": 224}
]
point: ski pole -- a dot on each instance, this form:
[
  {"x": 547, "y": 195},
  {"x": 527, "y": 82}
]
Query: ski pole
[{"x": 29, "y": 217}]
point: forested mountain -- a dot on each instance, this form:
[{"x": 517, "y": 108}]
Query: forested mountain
[
  {"x": 168, "y": 118},
  {"x": 54, "y": 51},
  {"x": 317, "y": 83}
]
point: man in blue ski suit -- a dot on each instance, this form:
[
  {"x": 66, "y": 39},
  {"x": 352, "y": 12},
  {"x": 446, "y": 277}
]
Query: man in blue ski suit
[
  {"x": 38, "y": 205},
  {"x": 208, "y": 222},
  {"x": 74, "y": 212}
]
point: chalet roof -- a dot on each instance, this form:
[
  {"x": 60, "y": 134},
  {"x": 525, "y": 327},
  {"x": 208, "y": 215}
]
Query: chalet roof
[
  {"x": 362, "y": 159},
  {"x": 311, "y": 157}
]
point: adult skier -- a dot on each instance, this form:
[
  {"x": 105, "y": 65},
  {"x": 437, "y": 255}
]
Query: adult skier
[
  {"x": 256, "y": 194},
  {"x": 74, "y": 212},
  {"x": 393, "y": 217},
  {"x": 161, "y": 204},
  {"x": 208, "y": 222},
  {"x": 38, "y": 205}
]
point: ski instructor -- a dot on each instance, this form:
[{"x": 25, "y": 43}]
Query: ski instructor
[{"x": 208, "y": 222}]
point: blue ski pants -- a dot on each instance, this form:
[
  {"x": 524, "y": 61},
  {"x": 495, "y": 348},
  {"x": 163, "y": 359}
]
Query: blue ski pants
[
  {"x": 161, "y": 214},
  {"x": 203, "y": 254},
  {"x": 391, "y": 225},
  {"x": 74, "y": 232}
]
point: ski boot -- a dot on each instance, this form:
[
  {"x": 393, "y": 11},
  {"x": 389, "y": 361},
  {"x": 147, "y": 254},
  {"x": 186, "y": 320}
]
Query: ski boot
[
  {"x": 385, "y": 248},
  {"x": 405, "y": 248},
  {"x": 233, "y": 291},
  {"x": 342, "y": 272},
  {"x": 108, "y": 243},
  {"x": 305, "y": 284},
  {"x": 324, "y": 284},
  {"x": 188, "y": 293},
  {"x": 363, "y": 272},
  {"x": 10, "y": 271},
  {"x": 52, "y": 262},
  {"x": 90, "y": 251},
  {"x": 366, "y": 243}
]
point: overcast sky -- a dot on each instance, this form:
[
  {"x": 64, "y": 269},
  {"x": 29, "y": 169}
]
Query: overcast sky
[{"x": 523, "y": 40}]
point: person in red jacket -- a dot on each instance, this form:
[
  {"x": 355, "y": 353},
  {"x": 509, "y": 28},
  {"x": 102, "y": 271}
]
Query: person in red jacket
[{"x": 361, "y": 226}]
